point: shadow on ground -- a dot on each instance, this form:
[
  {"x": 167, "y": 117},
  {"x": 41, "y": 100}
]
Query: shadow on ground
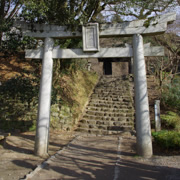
[{"x": 96, "y": 158}]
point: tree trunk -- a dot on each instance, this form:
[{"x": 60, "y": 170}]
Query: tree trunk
[
  {"x": 178, "y": 2},
  {"x": 1, "y": 33}
]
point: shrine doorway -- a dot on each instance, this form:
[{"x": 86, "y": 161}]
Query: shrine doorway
[
  {"x": 107, "y": 67},
  {"x": 116, "y": 66}
]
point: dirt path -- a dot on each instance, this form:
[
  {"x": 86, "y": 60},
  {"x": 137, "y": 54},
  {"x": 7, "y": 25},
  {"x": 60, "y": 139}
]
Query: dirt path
[
  {"x": 84, "y": 157},
  {"x": 106, "y": 157},
  {"x": 17, "y": 158},
  {"x": 87, "y": 157}
]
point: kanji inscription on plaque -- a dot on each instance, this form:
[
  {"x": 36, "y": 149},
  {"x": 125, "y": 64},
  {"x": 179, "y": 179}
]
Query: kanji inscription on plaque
[{"x": 91, "y": 37}]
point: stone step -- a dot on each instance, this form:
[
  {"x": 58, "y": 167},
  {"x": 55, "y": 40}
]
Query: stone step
[
  {"x": 107, "y": 123},
  {"x": 109, "y": 109},
  {"x": 101, "y": 101},
  {"x": 104, "y": 127},
  {"x": 112, "y": 92},
  {"x": 111, "y": 99},
  {"x": 116, "y": 77},
  {"x": 121, "y": 88},
  {"x": 98, "y": 104},
  {"x": 119, "y": 92},
  {"x": 107, "y": 118},
  {"x": 109, "y": 95},
  {"x": 116, "y": 87},
  {"x": 115, "y": 106},
  {"x": 103, "y": 132},
  {"x": 120, "y": 96},
  {"x": 113, "y": 84},
  {"x": 114, "y": 100},
  {"x": 108, "y": 114},
  {"x": 113, "y": 80}
]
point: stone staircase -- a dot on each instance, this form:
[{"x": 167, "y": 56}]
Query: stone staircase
[{"x": 110, "y": 109}]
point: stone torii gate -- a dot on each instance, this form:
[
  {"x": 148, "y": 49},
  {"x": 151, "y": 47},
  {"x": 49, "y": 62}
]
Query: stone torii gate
[{"x": 91, "y": 34}]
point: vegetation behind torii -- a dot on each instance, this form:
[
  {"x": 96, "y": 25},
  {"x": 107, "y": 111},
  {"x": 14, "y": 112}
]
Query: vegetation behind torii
[{"x": 73, "y": 13}]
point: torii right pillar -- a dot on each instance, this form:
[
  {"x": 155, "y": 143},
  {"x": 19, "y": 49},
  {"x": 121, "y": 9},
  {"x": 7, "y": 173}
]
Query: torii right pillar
[{"x": 143, "y": 127}]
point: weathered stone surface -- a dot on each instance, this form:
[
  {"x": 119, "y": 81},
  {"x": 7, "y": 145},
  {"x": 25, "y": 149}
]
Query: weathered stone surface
[
  {"x": 42, "y": 131},
  {"x": 91, "y": 37},
  {"x": 103, "y": 53},
  {"x": 143, "y": 129},
  {"x": 159, "y": 25},
  {"x": 157, "y": 115},
  {"x": 107, "y": 115}
]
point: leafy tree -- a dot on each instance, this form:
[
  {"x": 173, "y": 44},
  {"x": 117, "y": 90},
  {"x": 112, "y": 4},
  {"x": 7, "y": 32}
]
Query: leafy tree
[
  {"x": 8, "y": 10},
  {"x": 70, "y": 13},
  {"x": 75, "y": 12},
  {"x": 10, "y": 38},
  {"x": 142, "y": 9},
  {"x": 116, "y": 18},
  {"x": 66, "y": 12},
  {"x": 165, "y": 68}
]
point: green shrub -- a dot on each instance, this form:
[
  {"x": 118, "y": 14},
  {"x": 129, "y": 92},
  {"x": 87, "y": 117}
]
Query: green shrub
[
  {"x": 171, "y": 94},
  {"x": 18, "y": 88},
  {"x": 32, "y": 127},
  {"x": 171, "y": 120},
  {"x": 168, "y": 140},
  {"x": 18, "y": 100},
  {"x": 20, "y": 125}
]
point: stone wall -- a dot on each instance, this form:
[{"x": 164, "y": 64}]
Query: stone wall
[
  {"x": 96, "y": 66},
  {"x": 19, "y": 102},
  {"x": 119, "y": 68},
  {"x": 62, "y": 118},
  {"x": 18, "y": 116}
]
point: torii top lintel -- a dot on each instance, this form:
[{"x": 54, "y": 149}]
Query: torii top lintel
[{"x": 156, "y": 26}]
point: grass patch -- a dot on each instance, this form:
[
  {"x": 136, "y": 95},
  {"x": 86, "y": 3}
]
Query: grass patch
[
  {"x": 171, "y": 121},
  {"x": 167, "y": 140},
  {"x": 171, "y": 95},
  {"x": 32, "y": 127},
  {"x": 73, "y": 90}
]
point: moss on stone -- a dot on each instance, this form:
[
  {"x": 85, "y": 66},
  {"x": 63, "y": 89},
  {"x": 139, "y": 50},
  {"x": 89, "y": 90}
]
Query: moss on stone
[{"x": 80, "y": 85}]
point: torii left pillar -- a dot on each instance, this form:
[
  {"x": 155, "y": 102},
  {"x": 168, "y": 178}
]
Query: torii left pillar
[
  {"x": 143, "y": 129},
  {"x": 42, "y": 129}
]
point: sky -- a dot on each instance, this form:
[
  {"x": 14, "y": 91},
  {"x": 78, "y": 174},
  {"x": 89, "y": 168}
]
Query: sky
[{"x": 131, "y": 18}]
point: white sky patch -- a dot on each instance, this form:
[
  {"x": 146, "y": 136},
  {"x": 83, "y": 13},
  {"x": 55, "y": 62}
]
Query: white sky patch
[
  {"x": 108, "y": 13},
  {"x": 175, "y": 27}
]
